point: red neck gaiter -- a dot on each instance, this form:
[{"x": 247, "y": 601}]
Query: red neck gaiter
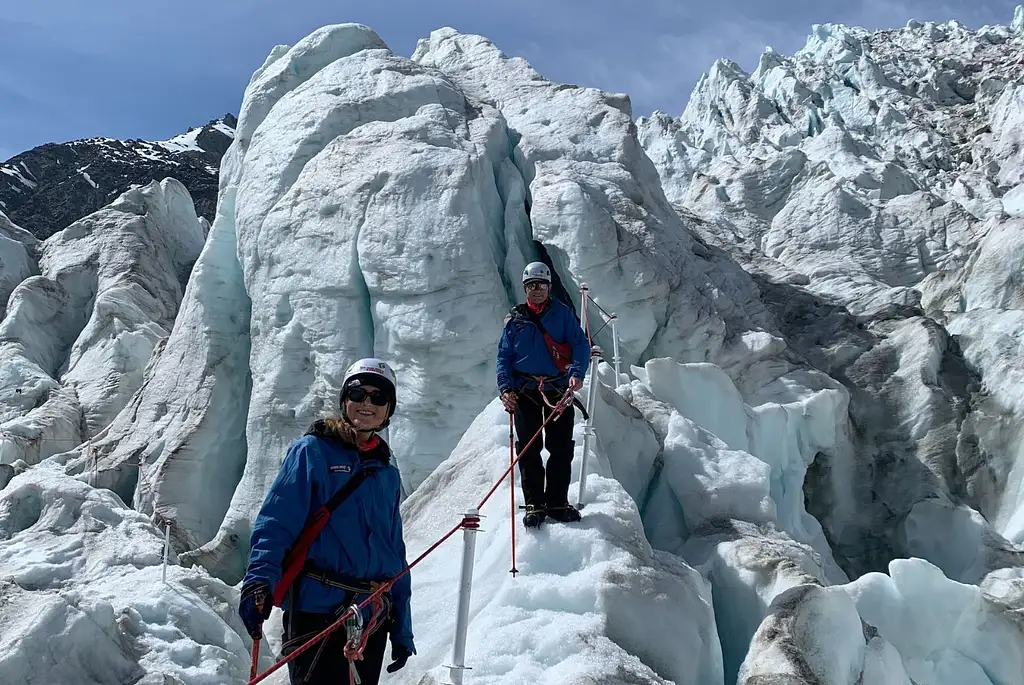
[
  {"x": 369, "y": 444},
  {"x": 536, "y": 308}
]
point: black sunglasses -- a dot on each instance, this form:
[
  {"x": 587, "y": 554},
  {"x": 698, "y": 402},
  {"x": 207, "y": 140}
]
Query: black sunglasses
[{"x": 378, "y": 397}]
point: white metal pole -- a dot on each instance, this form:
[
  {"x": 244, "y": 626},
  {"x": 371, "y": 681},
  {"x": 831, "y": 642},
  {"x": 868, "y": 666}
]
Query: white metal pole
[
  {"x": 588, "y": 428},
  {"x": 167, "y": 548},
  {"x": 615, "y": 348},
  {"x": 584, "y": 296},
  {"x": 470, "y": 527}
]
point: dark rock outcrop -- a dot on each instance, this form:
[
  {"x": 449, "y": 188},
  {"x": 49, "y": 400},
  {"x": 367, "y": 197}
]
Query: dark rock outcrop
[{"x": 46, "y": 189}]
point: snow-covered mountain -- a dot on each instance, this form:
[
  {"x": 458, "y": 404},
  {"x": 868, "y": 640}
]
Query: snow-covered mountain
[
  {"x": 809, "y": 471},
  {"x": 49, "y": 187}
]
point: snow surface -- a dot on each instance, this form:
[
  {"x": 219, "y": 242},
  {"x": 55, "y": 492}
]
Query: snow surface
[
  {"x": 19, "y": 174},
  {"x": 186, "y": 142},
  {"x": 592, "y": 600}
]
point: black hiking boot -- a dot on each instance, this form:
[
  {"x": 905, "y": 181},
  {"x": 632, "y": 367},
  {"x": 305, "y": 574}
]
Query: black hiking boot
[
  {"x": 564, "y": 513},
  {"x": 534, "y": 516}
]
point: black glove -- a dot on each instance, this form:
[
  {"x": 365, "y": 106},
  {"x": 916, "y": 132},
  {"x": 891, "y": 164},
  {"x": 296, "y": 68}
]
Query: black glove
[
  {"x": 399, "y": 655},
  {"x": 254, "y": 608}
]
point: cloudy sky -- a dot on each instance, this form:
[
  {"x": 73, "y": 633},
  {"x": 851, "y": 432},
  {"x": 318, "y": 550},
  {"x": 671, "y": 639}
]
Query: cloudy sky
[{"x": 75, "y": 68}]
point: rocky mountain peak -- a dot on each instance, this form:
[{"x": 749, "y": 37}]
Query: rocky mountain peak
[{"x": 49, "y": 187}]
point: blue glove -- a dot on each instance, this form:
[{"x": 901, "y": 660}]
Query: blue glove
[
  {"x": 399, "y": 655},
  {"x": 254, "y": 608}
]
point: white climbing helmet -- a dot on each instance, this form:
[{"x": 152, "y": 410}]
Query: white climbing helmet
[
  {"x": 536, "y": 271},
  {"x": 371, "y": 371}
]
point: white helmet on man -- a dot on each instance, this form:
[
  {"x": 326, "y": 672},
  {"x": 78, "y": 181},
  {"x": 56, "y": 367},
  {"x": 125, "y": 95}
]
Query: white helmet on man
[
  {"x": 536, "y": 271},
  {"x": 371, "y": 371}
]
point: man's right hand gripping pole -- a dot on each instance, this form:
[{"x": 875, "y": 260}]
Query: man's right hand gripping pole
[{"x": 509, "y": 400}]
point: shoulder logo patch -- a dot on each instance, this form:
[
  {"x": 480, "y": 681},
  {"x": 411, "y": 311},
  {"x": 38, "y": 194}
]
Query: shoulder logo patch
[{"x": 341, "y": 468}]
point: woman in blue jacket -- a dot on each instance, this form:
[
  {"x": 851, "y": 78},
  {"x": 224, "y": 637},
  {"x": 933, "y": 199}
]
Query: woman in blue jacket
[{"x": 360, "y": 546}]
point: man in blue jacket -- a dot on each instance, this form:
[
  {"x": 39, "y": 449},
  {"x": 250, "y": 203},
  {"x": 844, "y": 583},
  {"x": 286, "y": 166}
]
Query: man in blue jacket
[{"x": 542, "y": 352}]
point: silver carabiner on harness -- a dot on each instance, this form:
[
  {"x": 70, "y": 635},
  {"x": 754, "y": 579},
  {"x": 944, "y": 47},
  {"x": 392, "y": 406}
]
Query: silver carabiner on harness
[{"x": 354, "y": 627}]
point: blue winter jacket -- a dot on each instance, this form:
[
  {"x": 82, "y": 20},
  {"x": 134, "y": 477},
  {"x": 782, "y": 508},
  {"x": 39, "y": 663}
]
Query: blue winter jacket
[
  {"x": 522, "y": 351},
  {"x": 362, "y": 540}
]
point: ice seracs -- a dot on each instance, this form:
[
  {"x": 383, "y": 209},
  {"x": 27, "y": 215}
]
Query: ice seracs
[
  {"x": 815, "y": 273},
  {"x": 77, "y": 336},
  {"x": 83, "y": 603},
  {"x": 17, "y": 262},
  {"x": 183, "y": 431}
]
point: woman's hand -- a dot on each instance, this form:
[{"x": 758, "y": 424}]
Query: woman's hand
[{"x": 254, "y": 608}]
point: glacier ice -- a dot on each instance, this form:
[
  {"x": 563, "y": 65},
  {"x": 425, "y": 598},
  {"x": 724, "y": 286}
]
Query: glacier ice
[
  {"x": 861, "y": 195},
  {"x": 725, "y": 459},
  {"x": 594, "y": 203},
  {"x": 76, "y": 337},
  {"x": 823, "y": 640},
  {"x": 427, "y": 236},
  {"x": 944, "y": 631},
  {"x": 124, "y": 268},
  {"x": 17, "y": 261},
  {"x": 815, "y": 269},
  {"x": 82, "y": 601},
  {"x": 409, "y": 256},
  {"x": 38, "y": 417},
  {"x": 184, "y": 430}
]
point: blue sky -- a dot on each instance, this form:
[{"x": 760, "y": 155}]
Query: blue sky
[{"x": 127, "y": 69}]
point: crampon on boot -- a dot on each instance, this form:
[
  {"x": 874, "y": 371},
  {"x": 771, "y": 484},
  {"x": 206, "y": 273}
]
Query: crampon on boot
[
  {"x": 564, "y": 513},
  {"x": 534, "y": 516}
]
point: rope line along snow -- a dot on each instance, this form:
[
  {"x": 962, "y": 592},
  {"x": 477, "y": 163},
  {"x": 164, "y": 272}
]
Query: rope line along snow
[{"x": 469, "y": 522}]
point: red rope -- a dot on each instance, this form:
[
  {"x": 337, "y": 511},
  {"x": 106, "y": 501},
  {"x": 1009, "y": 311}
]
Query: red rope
[
  {"x": 354, "y": 652},
  {"x": 385, "y": 587},
  {"x": 466, "y": 522},
  {"x": 558, "y": 409}
]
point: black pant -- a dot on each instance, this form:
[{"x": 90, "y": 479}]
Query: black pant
[
  {"x": 557, "y": 438},
  {"x": 324, "y": 663}
]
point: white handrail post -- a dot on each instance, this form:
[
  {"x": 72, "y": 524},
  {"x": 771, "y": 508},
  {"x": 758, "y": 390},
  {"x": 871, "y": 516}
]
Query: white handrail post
[
  {"x": 584, "y": 296},
  {"x": 470, "y": 527},
  {"x": 167, "y": 549},
  {"x": 615, "y": 347},
  {"x": 588, "y": 427}
]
